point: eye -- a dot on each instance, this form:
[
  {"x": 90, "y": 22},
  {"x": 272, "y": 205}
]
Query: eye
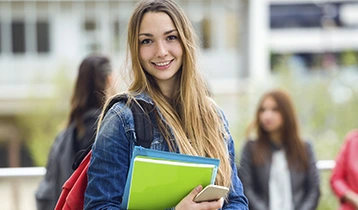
[
  {"x": 172, "y": 37},
  {"x": 275, "y": 109},
  {"x": 146, "y": 41}
]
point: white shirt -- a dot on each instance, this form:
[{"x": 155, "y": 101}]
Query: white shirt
[{"x": 280, "y": 193}]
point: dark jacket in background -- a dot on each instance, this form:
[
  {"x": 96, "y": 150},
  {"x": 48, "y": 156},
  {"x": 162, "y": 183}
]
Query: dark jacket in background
[
  {"x": 60, "y": 160},
  {"x": 255, "y": 179}
]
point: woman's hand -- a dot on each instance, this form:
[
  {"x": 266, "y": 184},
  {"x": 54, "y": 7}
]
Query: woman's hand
[
  {"x": 352, "y": 198},
  {"x": 187, "y": 203}
]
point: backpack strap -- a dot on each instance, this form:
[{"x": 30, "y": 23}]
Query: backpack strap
[
  {"x": 143, "y": 126},
  {"x": 142, "y": 123},
  {"x": 80, "y": 155}
]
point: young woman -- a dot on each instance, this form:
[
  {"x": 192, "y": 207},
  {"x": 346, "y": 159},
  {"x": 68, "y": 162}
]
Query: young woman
[
  {"x": 278, "y": 169},
  {"x": 93, "y": 84},
  {"x": 162, "y": 58},
  {"x": 344, "y": 177}
]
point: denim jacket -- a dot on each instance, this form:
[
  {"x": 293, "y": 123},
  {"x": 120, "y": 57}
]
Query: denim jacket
[{"x": 111, "y": 155}]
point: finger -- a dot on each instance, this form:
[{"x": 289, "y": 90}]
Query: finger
[
  {"x": 212, "y": 204},
  {"x": 221, "y": 200},
  {"x": 194, "y": 192}
]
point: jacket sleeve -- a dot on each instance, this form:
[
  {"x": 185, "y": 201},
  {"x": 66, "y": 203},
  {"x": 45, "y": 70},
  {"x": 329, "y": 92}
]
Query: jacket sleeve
[
  {"x": 236, "y": 198},
  {"x": 109, "y": 164},
  {"x": 246, "y": 175},
  {"x": 339, "y": 173},
  {"x": 313, "y": 180}
]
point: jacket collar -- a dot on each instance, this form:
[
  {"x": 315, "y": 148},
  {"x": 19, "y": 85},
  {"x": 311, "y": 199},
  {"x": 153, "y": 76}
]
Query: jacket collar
[{"x": 143, "y": 97}]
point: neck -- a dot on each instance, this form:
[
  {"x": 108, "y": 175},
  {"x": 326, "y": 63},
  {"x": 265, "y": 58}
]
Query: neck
[
  {"x": 167, "y": 91},
  {"x": 168, "y": 87},
  {"x": 276, "y": 138}
]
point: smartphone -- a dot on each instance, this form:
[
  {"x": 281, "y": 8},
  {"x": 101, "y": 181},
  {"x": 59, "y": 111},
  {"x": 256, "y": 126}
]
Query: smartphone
[{"x": 211, "y": 193}]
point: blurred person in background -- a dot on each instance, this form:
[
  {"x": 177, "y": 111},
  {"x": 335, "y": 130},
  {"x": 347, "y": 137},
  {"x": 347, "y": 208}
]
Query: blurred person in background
[
  {"x": 344, "y": 177},
  {"x": 93, "y": 86},
  {"x": 277, "y": 168}
]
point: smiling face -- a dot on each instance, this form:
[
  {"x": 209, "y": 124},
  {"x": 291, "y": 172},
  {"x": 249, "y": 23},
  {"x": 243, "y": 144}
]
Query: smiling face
[
  {"x": 160, "y": 49},
  {"x": 270, "y": 117}
]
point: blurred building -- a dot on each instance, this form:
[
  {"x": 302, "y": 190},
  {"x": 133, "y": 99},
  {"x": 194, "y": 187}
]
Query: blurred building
[
  {"x": 42, "y": 39},
  {"x": 318, "y": 34}
]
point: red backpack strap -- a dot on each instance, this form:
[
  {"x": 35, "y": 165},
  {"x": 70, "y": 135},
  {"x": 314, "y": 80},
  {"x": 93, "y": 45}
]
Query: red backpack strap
[
  {"x": 73, "y": 190},
  {"x": 72, "y": 194}
]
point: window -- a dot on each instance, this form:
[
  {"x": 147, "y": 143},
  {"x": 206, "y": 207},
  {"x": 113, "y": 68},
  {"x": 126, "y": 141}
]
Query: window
[
  {"x": 0, "y": 39},
  {"x": 203, "y": 30},
  {"x": 304, "y": 15},
  {"x": 18, "y": 36},
  {"x": 206, "y": 34},
  {"x": 90, "y": 36},
  {"x": 43, "y": 39},
  {"x": 118, "y": 35},
  {"x": 90, "y": 26},
  {"x": 292, "y": 16},
  {"x": 25, "y": 158}
]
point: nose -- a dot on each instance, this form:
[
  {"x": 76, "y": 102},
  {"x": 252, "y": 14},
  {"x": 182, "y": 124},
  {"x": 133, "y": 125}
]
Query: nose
[
  {"x": 267, "y": 114},
  {"x": 162, "y": 50}
]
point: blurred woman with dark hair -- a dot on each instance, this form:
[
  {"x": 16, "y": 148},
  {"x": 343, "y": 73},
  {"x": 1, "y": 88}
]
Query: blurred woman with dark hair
[
  {"x": 277, "y": 168},
  {"x": 93, "y": 85}
]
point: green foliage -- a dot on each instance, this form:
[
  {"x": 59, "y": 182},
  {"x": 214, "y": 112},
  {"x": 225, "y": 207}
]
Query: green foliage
[
  {"x": 327, "y": 200},
  {"x": 40, "y": 128},
  {"x": 41, "y": 125},
  {"x": 349, "y": 58}
]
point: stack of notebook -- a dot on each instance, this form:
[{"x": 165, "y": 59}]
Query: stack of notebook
[{"x": 160, "y": 180}]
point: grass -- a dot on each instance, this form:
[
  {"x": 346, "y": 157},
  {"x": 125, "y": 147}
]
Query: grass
[{"x": 327, "y": 200}]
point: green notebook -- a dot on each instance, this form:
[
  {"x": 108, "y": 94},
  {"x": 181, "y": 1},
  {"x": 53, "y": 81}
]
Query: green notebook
[{"x": 156, "y": 182}]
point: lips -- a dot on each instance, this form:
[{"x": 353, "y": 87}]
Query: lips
[
  {"x": 267, "y": 123},
  {"x": 163, "y": 64}
]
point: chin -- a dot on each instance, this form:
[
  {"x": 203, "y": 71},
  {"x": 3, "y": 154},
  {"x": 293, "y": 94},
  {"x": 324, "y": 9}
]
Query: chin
[{"x": 270, "y": 130}]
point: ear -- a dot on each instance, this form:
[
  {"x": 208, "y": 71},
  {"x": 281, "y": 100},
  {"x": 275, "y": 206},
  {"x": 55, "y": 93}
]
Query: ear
[
  {"x": 110, "y": 86},
  {"x": 109, "y": 80}
]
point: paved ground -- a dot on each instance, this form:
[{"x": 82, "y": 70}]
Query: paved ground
[{"x": 17, "y": 193}]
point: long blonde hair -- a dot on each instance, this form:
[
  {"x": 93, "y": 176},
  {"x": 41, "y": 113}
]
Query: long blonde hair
[{"x": 195, "y": 120}]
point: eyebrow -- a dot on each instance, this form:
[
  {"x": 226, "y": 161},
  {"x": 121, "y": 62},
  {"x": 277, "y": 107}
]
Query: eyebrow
[{"x": 151, "y": 35}]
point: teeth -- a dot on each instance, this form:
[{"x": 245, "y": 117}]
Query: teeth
[{"x": 162, "y": 63}]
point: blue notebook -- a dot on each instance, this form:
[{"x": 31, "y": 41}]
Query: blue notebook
[{"x": 159, "y": 180}]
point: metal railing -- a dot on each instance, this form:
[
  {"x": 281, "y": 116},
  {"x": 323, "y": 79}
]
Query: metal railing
[
  {"x": 323, "y": 165},
  {"x": 40, "y": 171},
  {"x": 22, "y": 172},
  {"x": 18, "y": 185}
]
